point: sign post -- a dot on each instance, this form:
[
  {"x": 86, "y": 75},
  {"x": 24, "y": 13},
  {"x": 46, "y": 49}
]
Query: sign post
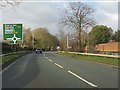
[{"x": 12, "y": 32}]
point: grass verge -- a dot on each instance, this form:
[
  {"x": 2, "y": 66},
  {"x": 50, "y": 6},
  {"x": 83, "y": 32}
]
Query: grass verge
[
  {"x": 9, "y": 58},
  {"x": 100, "y": 59}
]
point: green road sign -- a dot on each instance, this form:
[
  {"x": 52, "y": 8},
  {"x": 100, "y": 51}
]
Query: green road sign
[
  {"x": 11, "y": 42},
  {"x": 12, "y": 32}
]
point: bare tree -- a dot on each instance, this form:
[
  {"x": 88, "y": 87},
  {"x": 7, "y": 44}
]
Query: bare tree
[
  {"x": 77, "y": 16},
  {"x": 61, "y": 35},
  {"x": 4, "y": 3}
]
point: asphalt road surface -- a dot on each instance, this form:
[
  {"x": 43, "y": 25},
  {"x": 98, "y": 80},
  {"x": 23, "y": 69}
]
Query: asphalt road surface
[{"x": 49, "y": 70}]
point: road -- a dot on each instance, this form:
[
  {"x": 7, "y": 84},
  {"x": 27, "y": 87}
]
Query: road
[{"x": 54, "y": 71}]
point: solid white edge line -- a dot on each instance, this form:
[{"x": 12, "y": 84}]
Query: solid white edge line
[
  {"x": 10, "y": 65},
  {"x": 59, "y": 65},
  {"x": 91, "y": 84}
]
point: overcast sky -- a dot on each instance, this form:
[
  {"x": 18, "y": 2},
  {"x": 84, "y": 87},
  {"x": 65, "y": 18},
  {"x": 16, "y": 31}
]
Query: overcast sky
[{"x": 46, "y": 14}]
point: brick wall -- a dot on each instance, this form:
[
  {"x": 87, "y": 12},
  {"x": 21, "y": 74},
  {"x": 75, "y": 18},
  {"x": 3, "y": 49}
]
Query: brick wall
[{"x": 109, "y": 47}]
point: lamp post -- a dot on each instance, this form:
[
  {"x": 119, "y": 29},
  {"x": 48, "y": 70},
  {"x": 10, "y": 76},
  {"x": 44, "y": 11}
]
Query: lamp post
[
  {"x": 67, "y": 41},
  {"x": 33, "y": 41}
]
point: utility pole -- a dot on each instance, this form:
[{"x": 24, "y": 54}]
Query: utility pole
[
  {"x": 67, "y": 41},
  {"x": 33, "y": 41}
]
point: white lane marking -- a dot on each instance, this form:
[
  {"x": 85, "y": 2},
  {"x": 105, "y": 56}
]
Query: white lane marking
[
  {"x": 44, "y": 55},
  {"x": 58, "y": 65},
  {"x": 91, "y": 84},
  {"x": 47, "y": 58},
  {"x": 50, "y": 60},
  {"x": 10, "y": 65}
]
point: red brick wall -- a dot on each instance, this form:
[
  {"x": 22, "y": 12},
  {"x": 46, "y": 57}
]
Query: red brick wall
[{"x": 112, "y": 47}]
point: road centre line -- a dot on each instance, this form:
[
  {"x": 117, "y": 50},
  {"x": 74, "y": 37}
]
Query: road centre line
[
  {"x": 91, "y": 84},
  {"x": 58, "y": 65},
  {"x": 50, "y": 60},
  {"x": 45, "y": 56}
]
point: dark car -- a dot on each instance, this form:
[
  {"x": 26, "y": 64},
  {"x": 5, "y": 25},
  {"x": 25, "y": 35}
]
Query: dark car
[{"x": 38, "y": 51}]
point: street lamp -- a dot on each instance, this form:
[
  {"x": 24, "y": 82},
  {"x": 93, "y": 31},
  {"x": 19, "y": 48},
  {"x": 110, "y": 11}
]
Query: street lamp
[
  {"x": 67, "y": 41},
  {"x": 33, "y": 41}
]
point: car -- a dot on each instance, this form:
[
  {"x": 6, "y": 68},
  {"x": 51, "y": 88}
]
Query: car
[{"x": 38, "y": 51}]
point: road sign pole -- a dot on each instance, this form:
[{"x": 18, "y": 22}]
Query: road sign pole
[{"x": 33, "y": 41}]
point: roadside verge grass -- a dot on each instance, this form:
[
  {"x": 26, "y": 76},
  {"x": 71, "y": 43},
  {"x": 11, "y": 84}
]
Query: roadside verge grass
[
  {"x": 7, "y": 59},
  {"x": 100, "y": 59}
]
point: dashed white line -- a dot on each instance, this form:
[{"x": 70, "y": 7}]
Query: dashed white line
[
  {"x": 58, "y": 65},
  {"x": 45, "y": 56},
  {"x": 91, "y": 84},
  {"x": 50, "y": 60}
]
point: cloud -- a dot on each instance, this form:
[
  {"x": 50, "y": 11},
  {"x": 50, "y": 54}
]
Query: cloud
[
  {"x": 110, "y": 7},
  {"x": 107, "y": 14},
  {"x": 34, "y": 15},
  {"x": 46, "y": 14}
]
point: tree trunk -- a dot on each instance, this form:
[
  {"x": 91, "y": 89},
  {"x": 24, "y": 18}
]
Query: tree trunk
[{"x": 79, "y": 38}]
